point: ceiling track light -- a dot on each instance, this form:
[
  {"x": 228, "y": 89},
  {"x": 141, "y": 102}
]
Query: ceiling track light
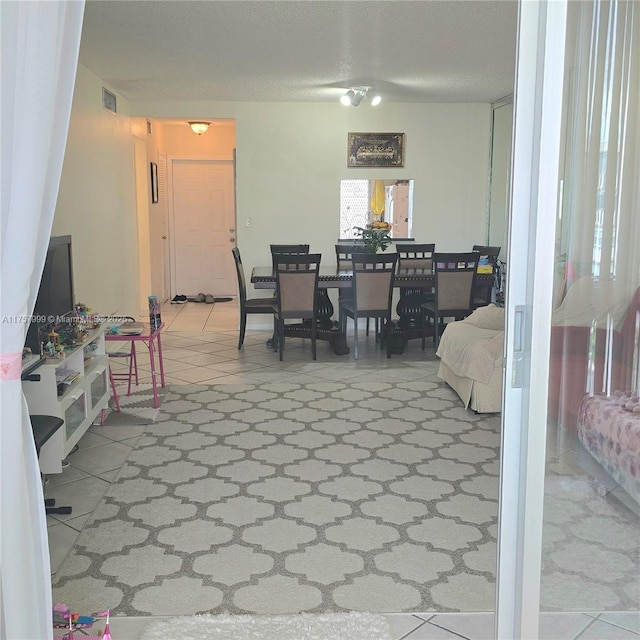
[
  {"x": 199, "y": 127},
  {"x": 354, "y": 96}
]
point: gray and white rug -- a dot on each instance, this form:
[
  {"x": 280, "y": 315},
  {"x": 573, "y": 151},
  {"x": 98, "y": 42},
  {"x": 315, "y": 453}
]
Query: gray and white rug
[
  {"x": 322, "y": 497},
  {"x": 284, "y": 497}
]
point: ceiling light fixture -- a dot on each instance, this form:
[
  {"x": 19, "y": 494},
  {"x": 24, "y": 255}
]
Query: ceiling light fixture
[
  {"x": 354, "y": 96},
  {"x": 199, "y": 127}
]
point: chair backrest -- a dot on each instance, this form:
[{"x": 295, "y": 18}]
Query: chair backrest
[
  {"x": 373, "y": 277},
  {"x": 289, "y": 250},
  {"x": 344, "y": 253},
  {"x": 488, "y": 255},
  {"x": 242, "y": 285},
  {"x": 297, "y": 284},
  {"x": 415, "y": 256},
  {"x": 455, "y": 279}
]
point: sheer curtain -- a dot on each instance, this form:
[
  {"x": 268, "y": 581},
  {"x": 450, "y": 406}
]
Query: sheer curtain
[{"x": 40, "y": 43}]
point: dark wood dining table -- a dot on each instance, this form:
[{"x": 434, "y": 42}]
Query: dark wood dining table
[{"x": 413, "y": 284}]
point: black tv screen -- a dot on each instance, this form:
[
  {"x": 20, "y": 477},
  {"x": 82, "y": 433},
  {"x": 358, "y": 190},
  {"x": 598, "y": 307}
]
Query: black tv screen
[{"x": 55, "y": 295}]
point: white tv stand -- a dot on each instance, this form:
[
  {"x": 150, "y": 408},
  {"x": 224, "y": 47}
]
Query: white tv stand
[{"x": 81, "y": 402}]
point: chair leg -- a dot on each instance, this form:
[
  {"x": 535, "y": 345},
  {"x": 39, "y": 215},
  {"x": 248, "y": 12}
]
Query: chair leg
[
  {"x": 243, "y": 328},
  {"x": 367, "y": 329},
  {"x": 313, "y": 337},
  {"x": 387, "y": 335},
  {"x": 436, "y": 329},
  {"x": 281, "y": 337},
  {"x": 355, "y": 336}
]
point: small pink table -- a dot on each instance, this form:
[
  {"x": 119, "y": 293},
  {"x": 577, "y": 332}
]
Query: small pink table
[{"x": 149, "y": 337}]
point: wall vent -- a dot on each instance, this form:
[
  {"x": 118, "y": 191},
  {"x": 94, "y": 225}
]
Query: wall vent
[
  {"x": 109, "y": 100},
  {"x": 148, "y": 127}
]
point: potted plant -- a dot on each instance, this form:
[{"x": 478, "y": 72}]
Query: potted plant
[{"x": 374, "y": 237}]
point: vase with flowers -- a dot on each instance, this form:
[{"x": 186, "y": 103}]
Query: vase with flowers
[{"x": 374, "y": 237}]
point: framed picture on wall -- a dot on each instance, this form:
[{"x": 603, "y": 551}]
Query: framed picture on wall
[
  {"x": 154, "y": 182},
  {"x": 375, "y": 150}
]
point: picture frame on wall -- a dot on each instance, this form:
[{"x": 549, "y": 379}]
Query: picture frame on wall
[
  {"x": 375, "y": 149},
  {"x": 154, "y": 182}
]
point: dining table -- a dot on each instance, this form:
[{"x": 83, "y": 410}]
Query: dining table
[{"x": 414, "y": 285}]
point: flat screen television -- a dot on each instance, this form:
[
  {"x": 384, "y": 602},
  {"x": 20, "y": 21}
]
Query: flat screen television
[{"x": 55, "y": 295}]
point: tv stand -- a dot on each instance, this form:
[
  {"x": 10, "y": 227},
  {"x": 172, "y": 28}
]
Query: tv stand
[{"x": 82, "y": 377}]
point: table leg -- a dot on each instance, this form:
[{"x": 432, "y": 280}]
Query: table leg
[
  {"x": 156, "y": 399},
  {"x": 160, "y": 361}
]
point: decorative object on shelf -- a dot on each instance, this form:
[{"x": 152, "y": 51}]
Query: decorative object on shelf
[
  {"x": 199, "y": 127},
  {"x": 374, "y": 237},
  {"x": 154, "y": 313},
  {"x": 375, "y": 149}
]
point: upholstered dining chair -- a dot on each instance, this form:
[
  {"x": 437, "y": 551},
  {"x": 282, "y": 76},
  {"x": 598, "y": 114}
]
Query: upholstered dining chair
[
  {"x": 289, "y": 249},
  {"x": 344, "y": 252},
  {"x": 297, "y": 285},
  {"x": 373, "y": 277},
  {"x": 415, "y": 256},
  {"x": 455, "y": 275},
  {"x": 249, "y": 305},
  {"x": 483, "y": 289}
]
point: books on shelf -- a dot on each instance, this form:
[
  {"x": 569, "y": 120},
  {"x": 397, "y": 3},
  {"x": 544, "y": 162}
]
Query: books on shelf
[{"x": 66, "y": 376}]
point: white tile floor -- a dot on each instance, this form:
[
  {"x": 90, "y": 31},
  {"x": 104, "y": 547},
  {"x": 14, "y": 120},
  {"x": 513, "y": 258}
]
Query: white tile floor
[{"x": 102, "y": 452}]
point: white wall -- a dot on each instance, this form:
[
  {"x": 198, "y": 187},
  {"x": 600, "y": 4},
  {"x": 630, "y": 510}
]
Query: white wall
[
  {"x": 96, "y": 203},
  {"x": 290, "y": 159}
]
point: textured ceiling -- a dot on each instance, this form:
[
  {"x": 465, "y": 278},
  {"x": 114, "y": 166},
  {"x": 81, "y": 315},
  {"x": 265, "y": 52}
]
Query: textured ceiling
[{"x": 283, "y": 51}]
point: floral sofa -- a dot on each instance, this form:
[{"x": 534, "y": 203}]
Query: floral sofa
[
  {"x": 609, "y": 429},
  {"x": 471, "y": 356}
]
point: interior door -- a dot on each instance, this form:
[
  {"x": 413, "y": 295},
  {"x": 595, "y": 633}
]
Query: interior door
[{"x": 203, "y": 222}]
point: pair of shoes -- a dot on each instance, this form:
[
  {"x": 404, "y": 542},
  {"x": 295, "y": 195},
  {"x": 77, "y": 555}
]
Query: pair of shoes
[
  {"x": 209, "y": 299},
  {"x": 199, "y": 298},
  {"x": 179, "y": 299}
]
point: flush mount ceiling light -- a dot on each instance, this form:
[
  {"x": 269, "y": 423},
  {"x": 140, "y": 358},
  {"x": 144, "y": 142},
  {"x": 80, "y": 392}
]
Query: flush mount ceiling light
[{"x": 199, "y": 127}]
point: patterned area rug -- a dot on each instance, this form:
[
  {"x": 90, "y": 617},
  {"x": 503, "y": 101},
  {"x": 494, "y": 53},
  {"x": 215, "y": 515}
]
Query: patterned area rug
[
  {"x": 282, "y": 498},
  {"x": 322, "y": 497}
]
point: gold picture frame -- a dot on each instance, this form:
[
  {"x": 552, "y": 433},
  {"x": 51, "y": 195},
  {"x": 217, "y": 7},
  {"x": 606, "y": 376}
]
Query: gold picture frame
[{"x": 375, "y": 150}]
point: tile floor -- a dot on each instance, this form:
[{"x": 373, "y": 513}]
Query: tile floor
[{"x": 211, "y": 332}]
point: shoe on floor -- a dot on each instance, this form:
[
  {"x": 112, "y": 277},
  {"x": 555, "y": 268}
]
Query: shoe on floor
[
  {"x": 209, "y": 299},
  {"x": 179, "y": 299},
  {"x": 200, "y": 298}
]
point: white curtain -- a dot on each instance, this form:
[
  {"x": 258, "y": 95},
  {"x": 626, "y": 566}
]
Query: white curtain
[{"x": 40, "y": 44}]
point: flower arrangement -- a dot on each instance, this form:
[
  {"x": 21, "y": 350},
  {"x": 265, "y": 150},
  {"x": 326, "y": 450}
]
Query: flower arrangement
[{"x": 374, "y": 237}]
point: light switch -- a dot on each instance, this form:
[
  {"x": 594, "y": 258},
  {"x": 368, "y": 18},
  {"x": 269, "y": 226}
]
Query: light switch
[{"x": 248, "y": 222}]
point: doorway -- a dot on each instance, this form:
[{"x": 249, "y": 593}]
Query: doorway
[{"x": 202, "y": 217}]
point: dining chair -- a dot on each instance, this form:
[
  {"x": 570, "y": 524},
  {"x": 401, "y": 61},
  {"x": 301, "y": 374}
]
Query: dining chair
[
  {"x": 415, "y": 256},
  {"x": 289, "y": 249},
  {"x": 455, "y": 275},
  {"x": 297, "y": 286},
  {"x": 487, "y": 264},
  {"x": 373, "y": 278},
  {"x": 344, "y": 252},
  {"x": 249, "y": 305}
]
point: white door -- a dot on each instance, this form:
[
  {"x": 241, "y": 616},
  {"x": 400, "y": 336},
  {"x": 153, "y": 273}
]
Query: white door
[{"x": 203, "y": 222}]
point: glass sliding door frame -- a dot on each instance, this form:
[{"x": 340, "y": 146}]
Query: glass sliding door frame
[{"x": 538, "y": 108}]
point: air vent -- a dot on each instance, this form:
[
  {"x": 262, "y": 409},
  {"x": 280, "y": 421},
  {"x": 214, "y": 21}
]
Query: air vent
[
  {"x": 148, "y": 127},
  {"x": 109, "y": 100}
]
